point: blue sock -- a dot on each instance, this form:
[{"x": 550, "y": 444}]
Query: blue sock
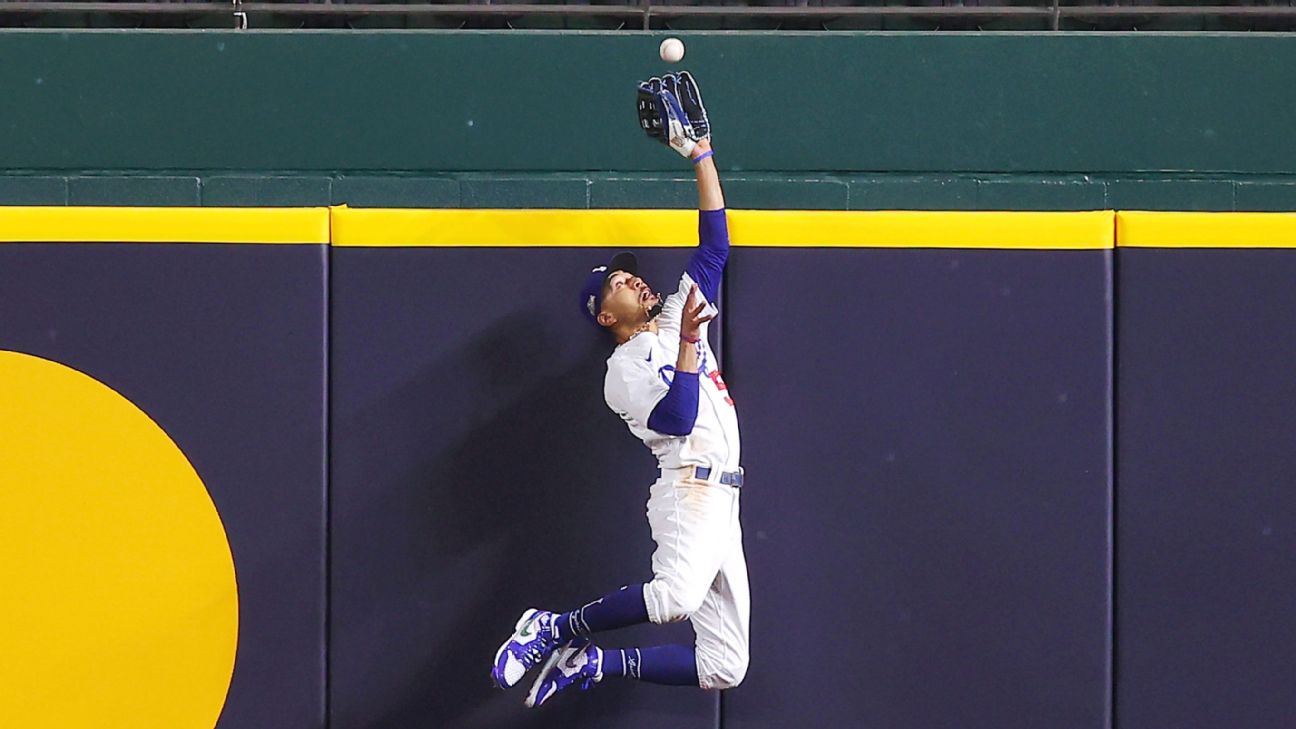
[
  {"x": 669, "y": 665},
  {"x": 620, "y": 609}
]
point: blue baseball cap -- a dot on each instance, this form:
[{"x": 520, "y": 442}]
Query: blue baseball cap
[{"x": 591, "y": 296}]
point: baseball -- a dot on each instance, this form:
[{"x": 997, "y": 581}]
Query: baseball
[{"x": 672, "y": 50}]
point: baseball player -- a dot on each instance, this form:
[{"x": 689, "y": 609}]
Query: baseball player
[{"x": 664, "y": 382}]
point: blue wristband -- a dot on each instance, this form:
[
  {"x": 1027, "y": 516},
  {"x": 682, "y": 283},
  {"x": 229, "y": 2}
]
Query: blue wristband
[{"x": 703, "y": 156}]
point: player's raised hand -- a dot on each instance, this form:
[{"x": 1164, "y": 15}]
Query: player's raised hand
[{"x": 695, "y": 315}]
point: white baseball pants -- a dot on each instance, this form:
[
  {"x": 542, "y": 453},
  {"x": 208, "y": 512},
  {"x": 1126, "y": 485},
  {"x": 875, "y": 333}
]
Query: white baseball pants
[{"x": 700, "y": 573}]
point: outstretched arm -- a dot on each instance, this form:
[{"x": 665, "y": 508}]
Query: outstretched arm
[
  {"x": 707, "y": 264},
  {"x": 671, "y": 112},
  {"x": 710, "y": 196}
]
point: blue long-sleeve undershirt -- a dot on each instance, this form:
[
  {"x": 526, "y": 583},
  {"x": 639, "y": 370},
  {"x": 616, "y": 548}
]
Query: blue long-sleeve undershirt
[
  {"x": 706, "y": 267},
  {"x": 676, "y": 413}
]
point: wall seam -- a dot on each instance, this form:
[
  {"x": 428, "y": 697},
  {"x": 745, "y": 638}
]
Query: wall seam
[
  {"x": 328, "y": 475},
  {"x": 1112, "y": 413},
  {"x": 725, "y": 341}
]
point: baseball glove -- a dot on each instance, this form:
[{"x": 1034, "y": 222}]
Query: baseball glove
[{"x": 671, "y": 111}]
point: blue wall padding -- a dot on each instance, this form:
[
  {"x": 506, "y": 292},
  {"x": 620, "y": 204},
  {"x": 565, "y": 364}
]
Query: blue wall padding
[
  {"x": 926, "y": 510},
  {"x": 223, "y": 346},
  {"x": 477, "y": 472},
  {"x": 1206, "y": 451},
  {"x": 928, "y": 497}
]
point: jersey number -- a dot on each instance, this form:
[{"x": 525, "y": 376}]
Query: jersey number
[{"x": 720, "y": 384}]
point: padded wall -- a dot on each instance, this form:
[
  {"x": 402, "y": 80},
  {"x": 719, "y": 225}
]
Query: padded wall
[
  {"x": 928, "y": 512},
  {"x": 223, "y": 346},
  {"x": 926, "y": 433},
  {"x": 926, "y": 438},
  {"x": 1205, "y": 572},
  {"x": 477, "y": 472}
]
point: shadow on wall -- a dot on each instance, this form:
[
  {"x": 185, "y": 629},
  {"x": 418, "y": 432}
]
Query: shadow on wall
[{"x": 493, "y": 480}]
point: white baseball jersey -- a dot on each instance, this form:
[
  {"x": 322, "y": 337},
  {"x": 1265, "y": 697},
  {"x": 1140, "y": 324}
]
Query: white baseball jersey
[{"x": 639, "y": 374}]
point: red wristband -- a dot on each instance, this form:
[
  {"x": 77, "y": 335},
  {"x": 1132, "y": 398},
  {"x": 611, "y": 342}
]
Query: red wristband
[{"x": 697, "y": 340}]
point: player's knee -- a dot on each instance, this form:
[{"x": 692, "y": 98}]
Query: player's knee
[
  {"x": 723, "y": 674},
  {"x": 681, "y": 605},
  {"x": 689, "y": 601},
  {"x": 670, "y": 601}
]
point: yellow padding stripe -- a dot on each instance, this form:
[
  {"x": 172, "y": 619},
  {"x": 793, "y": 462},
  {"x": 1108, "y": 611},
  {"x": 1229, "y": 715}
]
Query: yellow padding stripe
[
  {"x": 923, "y": 229},
  {"x": 648, "y": 228},
  {"x": 163, "y": 225},
  {"x": 514, "y": 228},
  {"x": 668, "y": 228},
  {"x": 1138, "y": 229}
]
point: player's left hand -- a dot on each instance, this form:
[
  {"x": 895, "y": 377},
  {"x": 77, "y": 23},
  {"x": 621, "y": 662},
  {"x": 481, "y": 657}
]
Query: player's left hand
[{"x": 671, "y": 111}]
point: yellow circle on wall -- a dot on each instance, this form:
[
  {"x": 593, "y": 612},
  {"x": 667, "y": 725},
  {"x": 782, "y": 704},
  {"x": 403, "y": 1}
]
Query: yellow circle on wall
[{"x": 118, "y": 601}]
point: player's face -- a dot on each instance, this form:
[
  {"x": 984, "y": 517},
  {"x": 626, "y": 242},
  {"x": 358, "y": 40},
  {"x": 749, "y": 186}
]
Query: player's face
[{"x": 627, "y": 298}]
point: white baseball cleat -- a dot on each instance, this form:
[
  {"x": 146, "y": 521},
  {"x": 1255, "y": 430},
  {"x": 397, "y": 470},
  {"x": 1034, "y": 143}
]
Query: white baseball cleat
[
  {"x": 575, "y": 664},
  {"x": 532, "y": 642}
]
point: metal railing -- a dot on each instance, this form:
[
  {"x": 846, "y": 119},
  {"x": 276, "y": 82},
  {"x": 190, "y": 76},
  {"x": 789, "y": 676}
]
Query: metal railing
[{"x": 646, "y": 15}]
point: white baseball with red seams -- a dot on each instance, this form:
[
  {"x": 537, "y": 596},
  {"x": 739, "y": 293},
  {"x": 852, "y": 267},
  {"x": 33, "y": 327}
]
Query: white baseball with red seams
[
  {"x": 699, "y": 568},
  {"x": 671, "y": 50}
]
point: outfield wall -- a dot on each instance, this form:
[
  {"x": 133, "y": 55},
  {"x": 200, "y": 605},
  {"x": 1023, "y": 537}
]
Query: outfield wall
[
  {"x": 214, "y": 323},
  {"x": 948, "y": 417}
]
